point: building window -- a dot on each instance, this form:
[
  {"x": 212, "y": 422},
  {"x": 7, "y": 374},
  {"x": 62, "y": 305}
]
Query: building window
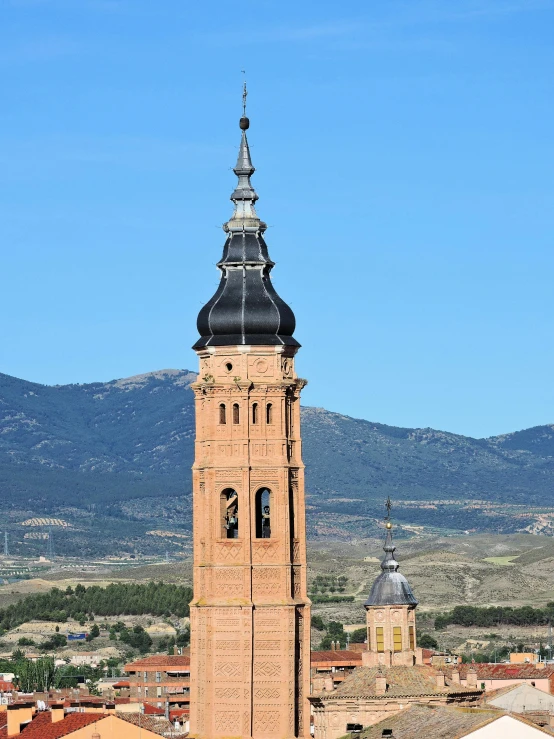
[
  {"x": 269, "y": 413},
  {"x": 229, "y": 505},
  {"x": 146, "y": 690},
  {"x": 263, "y": 514},
  {"x": 397, "y": 638},
  {"x": 158, "y": 677},
  {"x": 222, "y": 413},
  {"x": 158, "y": 693},
  {"x": 380, "y": 637},
  {"x": 255, "y": 413},
  {"x": 412, "y": 637},
  {"x": 236, "y": 413}
]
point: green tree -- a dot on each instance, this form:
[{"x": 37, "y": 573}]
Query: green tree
[
  {"x": 24, "y": 641},
  {"x": 426, "y": 641},
  {"x": 358, "y": 636},
  {"x": 317, "y": 623}
]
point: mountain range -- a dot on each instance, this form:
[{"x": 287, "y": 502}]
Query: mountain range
[{"x": 111, "y": 462}]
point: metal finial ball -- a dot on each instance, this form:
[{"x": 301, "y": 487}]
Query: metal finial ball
[
  {"x": 244, "y": 123},
  {"x": 388, "y": 525}
]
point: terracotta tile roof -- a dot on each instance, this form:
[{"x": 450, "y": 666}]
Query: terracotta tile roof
[
  {"x": 505, "y": 671},
  {"x": 151, "y": 710},
  {"x": 441, "y": 721},
  {"x": 122, "y": 684},
  {"x": 178, "y": 712},
  {"x": 41, "y": 727},
  {"x": 401, "y": 681},
  {"x": 5, "y": 686},
  {"x": 91, "y": 699},
  {"x": 159, "y": 660},
  {"x": 156, "y": 724},
  {"x": 342, "y": 655}
]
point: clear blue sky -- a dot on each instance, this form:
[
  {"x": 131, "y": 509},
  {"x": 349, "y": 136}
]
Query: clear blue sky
[{"x": 404, "y": 155}]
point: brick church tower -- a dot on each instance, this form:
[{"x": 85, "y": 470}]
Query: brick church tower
[
  {"x": 391, "y": 614},
  {"x": 250, "y": 615}
]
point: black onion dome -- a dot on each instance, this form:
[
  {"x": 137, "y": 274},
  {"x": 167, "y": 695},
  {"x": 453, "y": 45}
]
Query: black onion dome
[
  {"x": 391, "y": 587},
  {"x": 245, "y": 309}
]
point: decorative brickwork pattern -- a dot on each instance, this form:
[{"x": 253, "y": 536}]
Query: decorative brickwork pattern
[{"x": 250, "y": 656}]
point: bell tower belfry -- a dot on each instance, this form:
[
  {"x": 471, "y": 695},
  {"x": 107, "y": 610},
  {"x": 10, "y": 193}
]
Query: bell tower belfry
[{"x": 250, "y": 615}]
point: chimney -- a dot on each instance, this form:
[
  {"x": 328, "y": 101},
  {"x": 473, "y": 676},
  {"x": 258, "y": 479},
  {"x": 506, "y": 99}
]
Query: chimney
[
  {"x": 18, "y": 714},
  {"x": 387, "y": 733},
  {"x": 380, "y": 683},
  {"x": 456, "y": 677},
  {"x": 318, "y": 683},
  {"x": 57, "y": 712},
  {"x": 471, "y": 680},
  {"x": 441, "y": 682},
  {"x": 175, "y": 650}
]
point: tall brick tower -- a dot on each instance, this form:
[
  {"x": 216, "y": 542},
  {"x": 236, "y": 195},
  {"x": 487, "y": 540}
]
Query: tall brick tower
[{"x": 250, "y": 615}]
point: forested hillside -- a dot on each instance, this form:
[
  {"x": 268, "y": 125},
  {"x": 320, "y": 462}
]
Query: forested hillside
[
  {"x": 117, "y": 599},
  {"x": 115, "y": 458}
]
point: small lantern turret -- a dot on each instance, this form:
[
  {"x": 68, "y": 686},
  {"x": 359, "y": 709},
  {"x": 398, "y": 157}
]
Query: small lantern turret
[{"x": 390, "y": 609}]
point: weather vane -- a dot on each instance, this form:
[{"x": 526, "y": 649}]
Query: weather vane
[
  {"x": 388, "y": 506},
  {"x": 244, "y": 94}
]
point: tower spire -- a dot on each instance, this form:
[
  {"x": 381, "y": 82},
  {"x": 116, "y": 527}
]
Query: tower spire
[
  {"x": 245, "y": 309},
  {"x": 244, "y": 196},
  {"x": 389, "y": 564},
  {"x": 390, "y": 587}
]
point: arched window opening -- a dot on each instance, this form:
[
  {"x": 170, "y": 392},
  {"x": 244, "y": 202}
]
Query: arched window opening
[
  {"x": 229, "y": 504},
  {"x": 269, "y": 413},
  {"x": 292, "y": 513},
  {"x": 263, "y": 514},
  {"x": 255, "y": 413},
  {"x": 236, "y": 413},
  {"x": 222, "y": 413}
]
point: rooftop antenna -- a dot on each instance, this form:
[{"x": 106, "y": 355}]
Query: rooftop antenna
[{"x": 6, "y": 549}]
